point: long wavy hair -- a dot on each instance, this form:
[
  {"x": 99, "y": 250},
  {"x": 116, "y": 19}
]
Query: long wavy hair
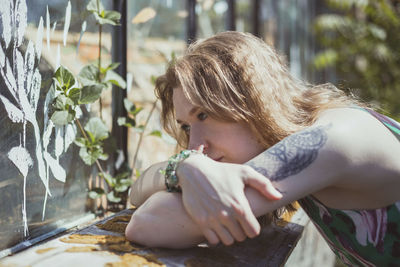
[{"x": 237, "y": 77}]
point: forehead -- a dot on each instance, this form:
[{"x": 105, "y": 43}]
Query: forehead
[{"x": 183, "y": 108}]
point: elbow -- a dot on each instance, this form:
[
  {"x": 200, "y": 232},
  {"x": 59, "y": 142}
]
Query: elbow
[
  {"x": 135, "y": 196},
  {"x": 134, "y": 200},
  {"x": 139, "y": 231},
  {"x": 144, "y": 230}
]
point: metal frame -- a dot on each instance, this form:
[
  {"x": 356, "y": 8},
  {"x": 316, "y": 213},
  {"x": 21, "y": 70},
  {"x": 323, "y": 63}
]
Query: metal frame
[
  {"x": 119, "y": 54},
  {"x": 191, "y": 27},
  {"x": 256, "y": 8},
  {"x": 231, "y": 15}
]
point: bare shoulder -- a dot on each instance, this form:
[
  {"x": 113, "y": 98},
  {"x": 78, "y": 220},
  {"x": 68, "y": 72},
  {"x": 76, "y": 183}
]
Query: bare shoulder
[
  {"x": 372, "y": 152},
  {"x": 357, "y": 127}
]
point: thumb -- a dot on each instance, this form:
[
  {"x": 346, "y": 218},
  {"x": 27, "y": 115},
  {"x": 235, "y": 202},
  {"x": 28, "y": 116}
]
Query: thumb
[{"x": 264, "y": 186}]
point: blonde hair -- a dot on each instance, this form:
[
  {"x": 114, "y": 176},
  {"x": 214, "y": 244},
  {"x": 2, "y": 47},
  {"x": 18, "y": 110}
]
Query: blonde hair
[{"x": 237, "y": 77}]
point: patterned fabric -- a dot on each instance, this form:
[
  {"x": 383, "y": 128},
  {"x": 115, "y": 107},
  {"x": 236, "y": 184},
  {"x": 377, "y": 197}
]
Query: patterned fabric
[{"x": 360, "y": 237}]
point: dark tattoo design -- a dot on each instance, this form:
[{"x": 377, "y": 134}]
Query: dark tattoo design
[{"x": 291, "y": 155}]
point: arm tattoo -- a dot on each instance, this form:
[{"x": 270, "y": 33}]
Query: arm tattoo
[{"x": 291, "y": 155}]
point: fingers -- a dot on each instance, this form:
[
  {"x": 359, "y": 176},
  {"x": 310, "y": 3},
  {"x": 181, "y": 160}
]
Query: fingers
[
  {"x": 246, "y": 219},
  {"x": 263, "y": 185},
  {"x": 218, "y": 233},
  {"x": 235, "y": 225},
  {"x": 211, "y": 225},
  {"x": 214, "y": 232},
  {"x": 223, "y": 234},
  {"x": 232, "y": 225},
  {"x": 200, "y": 149},
  {"x": 211, "y": 237}
]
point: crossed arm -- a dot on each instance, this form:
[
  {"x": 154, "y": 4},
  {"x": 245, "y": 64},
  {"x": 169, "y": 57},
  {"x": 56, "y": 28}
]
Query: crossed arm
[
  {"x": 301, "y": 164},
  {"x": 304, "y": 157}
]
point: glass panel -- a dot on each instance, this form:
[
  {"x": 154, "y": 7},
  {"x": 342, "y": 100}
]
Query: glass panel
[
  {"x": 156, "y": 29},
  {"x": 211, "y": 17},
  {"x": 244, "y": 20},
  {"x": 287, "y": 24},
  {"x": 43, "y": 183}
]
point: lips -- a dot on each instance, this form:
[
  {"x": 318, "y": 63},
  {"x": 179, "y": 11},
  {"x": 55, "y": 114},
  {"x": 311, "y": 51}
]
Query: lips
[{"x": 218, "y": 159}]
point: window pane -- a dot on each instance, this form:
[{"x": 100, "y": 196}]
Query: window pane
[
  {"x": 287, "y": 24},
  {"x": 156, "y": 30},
  {"x": 43, "y": 183},
  {"x": 244, "y": 14},
  {"x": 211, "y": 17}
]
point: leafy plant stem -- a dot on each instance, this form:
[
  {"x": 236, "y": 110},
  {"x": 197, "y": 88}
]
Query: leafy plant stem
[
  {"x": 99, "y": 74},
  {"x": 142, "y": 133},
  {"x": 101, "y": 108},
  {"x": 87, "y": 138}
]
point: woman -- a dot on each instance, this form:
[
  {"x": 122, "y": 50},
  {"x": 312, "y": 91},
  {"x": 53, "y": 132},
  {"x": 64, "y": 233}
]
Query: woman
[{"x": 231, "y": 97}]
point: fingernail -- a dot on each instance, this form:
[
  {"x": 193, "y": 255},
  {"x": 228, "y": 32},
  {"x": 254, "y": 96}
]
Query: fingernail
[
  {"x": 278, "y": 194},
  {"x": 201, "y": 148}
]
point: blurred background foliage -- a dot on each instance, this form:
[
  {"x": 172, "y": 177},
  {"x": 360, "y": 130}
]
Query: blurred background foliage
[{"x": 359, "y": 41}]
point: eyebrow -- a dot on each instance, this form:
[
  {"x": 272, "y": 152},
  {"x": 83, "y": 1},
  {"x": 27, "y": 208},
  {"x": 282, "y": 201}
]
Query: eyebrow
[{"x": 191, "y": 112}]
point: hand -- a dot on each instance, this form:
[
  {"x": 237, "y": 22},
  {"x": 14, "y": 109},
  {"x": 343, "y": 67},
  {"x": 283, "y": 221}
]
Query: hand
[{"x": 213, "y": 195}]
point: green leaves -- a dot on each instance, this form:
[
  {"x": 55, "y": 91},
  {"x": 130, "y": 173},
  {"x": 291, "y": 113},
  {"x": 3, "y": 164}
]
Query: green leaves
[
  {"x": 112, "y": 197},
  {"x": 131, "y": 108},
  {"x": 67, "y": 96},
  {"x": 62, "y": 101},
  {"x": 75, "y": 95},
  {"x": 93, "y": 7},
  {"x": 64, "y": 79},
  {"x": 107, "y": 17},
  {"x": 63, "y": 117},
  {"x": 118, "y": 184},
  {"x": 91, "y": 148},
  {"x": 90, "y": 93},
  {"x": 97, "y": 129},
  {"x": 90, "y": 153},
  {"x": 132, "y": 111},
  {"x": 91, "y": 74},
  {"x": 111, "y": 77},
  {"x": 156, "y": 133},
  {"x": 101, "y": 15},
  {"x": 96, "y": 192},
  {"x": 358, "y": 40},
  {"x": 126, "y": 121},
  {"x": 68, "y": 92},
  {"x": 325, "y": 58}
]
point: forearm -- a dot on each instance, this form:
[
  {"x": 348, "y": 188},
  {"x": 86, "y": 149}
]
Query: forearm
[
  {"x": 150, "y": 182},
  {"x": 163, "y": 222},
  {"x": 300, "y": 165}
]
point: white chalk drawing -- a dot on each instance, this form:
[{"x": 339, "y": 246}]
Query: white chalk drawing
[
  {"x": 48, "y": 28},
  {"x": 22, "y": 160},
  {"x": 67, "y": 22},
  {"x": 23, "y": 82}
]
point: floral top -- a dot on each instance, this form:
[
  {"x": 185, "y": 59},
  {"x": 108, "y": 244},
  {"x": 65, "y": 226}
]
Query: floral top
[{"x": 360, "y": 237}]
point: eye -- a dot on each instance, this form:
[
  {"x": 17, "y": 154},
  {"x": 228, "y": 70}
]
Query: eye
[
  {"x": 202, "y": 116},
  {"x": 185, "y": 128}
]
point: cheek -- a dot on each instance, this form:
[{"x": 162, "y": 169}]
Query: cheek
[{"x": 246, "y": 145}]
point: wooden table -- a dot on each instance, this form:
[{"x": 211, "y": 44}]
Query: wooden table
[{"x": 271, "y": 248}]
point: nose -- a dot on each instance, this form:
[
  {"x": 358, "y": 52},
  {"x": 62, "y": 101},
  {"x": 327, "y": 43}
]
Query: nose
[{"x": 197, "y": 139}]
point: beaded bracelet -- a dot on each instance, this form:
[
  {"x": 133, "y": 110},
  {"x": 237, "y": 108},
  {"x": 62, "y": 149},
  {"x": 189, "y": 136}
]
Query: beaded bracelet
[{"x": 171, "y": 179}]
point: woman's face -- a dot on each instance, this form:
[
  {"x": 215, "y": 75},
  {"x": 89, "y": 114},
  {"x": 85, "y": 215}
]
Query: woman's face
[{"x": 223, "y": 141}]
